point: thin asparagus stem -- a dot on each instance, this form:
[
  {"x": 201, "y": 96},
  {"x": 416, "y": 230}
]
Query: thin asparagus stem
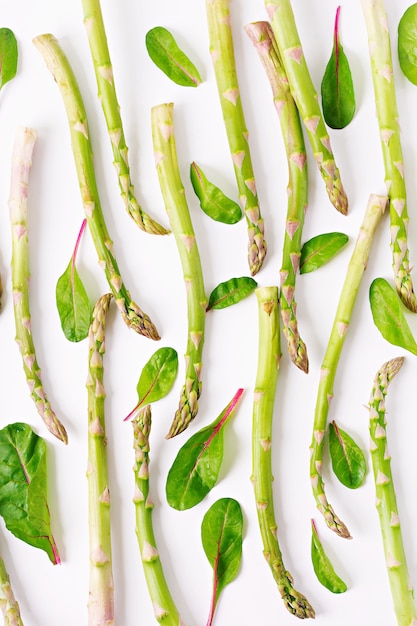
[
  {"x": 8, "y": 604},
  {"x": 93, "y": 20},
  {"x": 357, "y": 265},
  {"x": 21, "y": 164},
  {"x": 222, "y": 53},
  {"x": 262, "y": 37},
  {"x": 269, "y": 354},
  {"x": 180, "y": 220},
  {"x": 386, "y": 502},
  {"x": 285, "y": 30},
  {"x": 61, "y": 70},
  {"x": 386, "y": 105}
]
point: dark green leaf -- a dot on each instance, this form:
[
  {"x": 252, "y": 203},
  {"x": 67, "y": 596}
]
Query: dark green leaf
[
  {"x": 348, "y": 460},
  {"x": 322, "y": 566},
  {"x": 23, "y": 487},
  {"x": 73, "y": 304},
  {"x": 158, "y": 376},
  {"x": 196, "y": 467},
  {"x": 8, "y": 56},
  {"x": 320, "y": 250},
  {"x": 212, "y": 200},
  {"x": 407, "y": 43},
  {"x": 165, "y": 53},
  {"x": 231, "y": 292},
  {"x": 388, "y": 315}
]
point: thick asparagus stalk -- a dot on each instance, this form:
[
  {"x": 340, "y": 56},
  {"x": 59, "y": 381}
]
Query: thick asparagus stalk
[
  {"x": 93, "y": 20},
  {"x": 357, "y": 265},
  {"x": 386, "y": 503},
  {"x": 61, "y": 70},
  {"x": 222, "y": 54},
  {"x": 386, "y": 105},
  {"x": 164, "y": 607},
  {"x": 180, "y": 220},
  {"x": 285, "y": 30},
  {"x": 8, "y": 604},
  {"x": 101, "y": 594},
  {"x": 269, "y": 354},
  {"x": 21, "y": 163},
  {"x": 262, "y": 37}
]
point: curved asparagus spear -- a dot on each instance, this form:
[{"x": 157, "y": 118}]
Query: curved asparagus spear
[
  {"x": 8, "y": 604},
  {"x": 386, "y": 105},
  {"x": 93, "y": 20},
  {"x": 386, "y": 503},
  {"x": 61, "y": 70},
  {"x": 21, "y": 163},
  {"x": 269, "y": 354},
  {"x": 262, "y": 37},
  {"x": 357, "y": 265},
  {"x": 285, "y": 30},
  {"x": 222, "y": 54},
  {"x": 180, "y": 220}
]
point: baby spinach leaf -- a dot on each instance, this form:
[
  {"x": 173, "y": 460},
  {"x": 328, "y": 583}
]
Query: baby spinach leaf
[
  {"x": 348, "y": 460},
  {"x": 23, "y": 487},
  {"x": 8, "y": 56},
  {"x": 322, "y": 565},
  {"x": 212, "y": 200},
  {"x": 231, "y": 292},
  {"x": 320, "y": 250},
  {"x": 388, "y": 315},
  {"x": 196, "y": 467},
  {"x": 407, "y": 43},
  {"x": 165, "y": 53}
]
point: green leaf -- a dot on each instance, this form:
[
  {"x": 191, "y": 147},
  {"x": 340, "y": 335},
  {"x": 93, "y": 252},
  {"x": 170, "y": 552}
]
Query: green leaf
[
  {"x": 23, "y": 487},
  {"x": 337, "y": 91},
  {"x": 388, "y": 315},
  {"x": 212, "y": 200},
  {"x": 8, "y": 56},
  {"x": 322, "y": 565},
  {"x": 73, "y": 304},
  {"x": 407, "y": 43},
  {"x": 165, "y": 53},
  {"x": 320, "y": 250},
  {"x": 222, "y": 538},
  {"x": 348, "y": 460},
  {"x": 158, "y": 376},
  {"x": 230, "y": 292},
  {"x": 196, "y": 467}
]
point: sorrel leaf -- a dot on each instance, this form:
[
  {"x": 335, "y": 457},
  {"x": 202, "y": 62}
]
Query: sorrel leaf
[
  {"x": 165, "y": 53},
  {"x": 320, "y": 250},
  {"x": 407, "y": 43},
  {"x": 322, "y": 565},
  {"x": 230, "y": 292},
  {"x": 8, "y": 56},
  {"x": 213, "y": 201},
  {"x": 348, "y": 460},
  {"x": 158, "y": 376}
]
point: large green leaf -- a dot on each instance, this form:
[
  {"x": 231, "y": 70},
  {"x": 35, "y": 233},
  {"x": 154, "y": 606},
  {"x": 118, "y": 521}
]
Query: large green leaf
[
  {"x": 407, "y": 43},
  {"x": 348, "y": 460},
  {"x": 165, "y": 53},
  {"x": 8, "y": 56},
  {"x": 319, "y": 250},
  {"x": 213, "y": 201},
  {"x": 322, "y": 565}
]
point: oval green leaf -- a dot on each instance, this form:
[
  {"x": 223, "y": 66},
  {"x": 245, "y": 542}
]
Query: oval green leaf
[
  {"x": 407, "y": 43},
  {"x": 348, "y": 460},
  {"x": 73, "y": 304},
  {"x": 212, "y": 200},
  {"x": 158, "y": 376},
  {"x": 320, "y": 250},
  {"x": 322, "y": 565},
  {"x": 165, "y": 53},
  {"x": 230, "y": 292},
  {"x": 8, "y": 56}
]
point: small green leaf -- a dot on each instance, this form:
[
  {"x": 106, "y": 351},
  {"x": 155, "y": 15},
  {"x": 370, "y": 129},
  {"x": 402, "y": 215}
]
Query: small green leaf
[
  {"x": 158, "y": 376},
  {"x": 230, "y": 292},
  {"x": 165, "y": 53},
  {"x": 8, "y": 56},
  {"x": 322, "y": 565},
  {"x": 407, "y": 43},
  {"x": 320, "y": 250},
  {"x": 388, "y": 315},
  {"x": 212, "y": 200},
  {"x": 196, "y": 467},
  {"x": 348, "y": 460}
]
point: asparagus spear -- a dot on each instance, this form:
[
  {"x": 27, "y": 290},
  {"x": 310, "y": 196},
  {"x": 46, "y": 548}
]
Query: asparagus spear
[
  {"x": 357, "y": 264},
  {"x": 8, "y": 604},
  {"x": 222, "y": 53},
  {"x": 101, "y": 595},
  {"x": 285, "y": 30},
  {"x": 93, "y": 20},
  {"x": 386, "y": 503},
  {"x": 386, "y": 105},
  {"x": 269, "y": 354},
  {"x": 61, "y": 70},
  {"x": 21, "y": 163},
  {"x": 180, "y": 220},
  {"x": 262, "y": 37}
]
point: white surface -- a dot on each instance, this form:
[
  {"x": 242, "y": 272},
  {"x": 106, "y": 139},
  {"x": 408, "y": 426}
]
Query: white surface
[{"x": 58, "y": 595}]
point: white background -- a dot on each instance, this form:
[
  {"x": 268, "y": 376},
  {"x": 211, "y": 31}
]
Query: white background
[{"x": 51, "y": 595}]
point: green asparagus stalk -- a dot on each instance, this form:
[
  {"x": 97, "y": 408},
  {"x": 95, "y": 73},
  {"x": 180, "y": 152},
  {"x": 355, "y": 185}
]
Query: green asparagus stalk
[
  {"x": 262, "y": 37},
  {"x": 164, "y": 607},
  {"x": 285, "y": 30},
  {"x": 101, "y": 594},
  {"x": 180, "y": 221},
  {"x": 61, "y": 70},
  {"x": 93, "y": 20},
  {"x": 386, "y": 503},
  {"x": 386, "y": 105},
  {"x": 8, "y": 604},
  {"x": 269, "y": 354},
  {"x": 222, "y": 53},
  {"x": 21, "y": 164},
  {"x": 357, "y": 265}
]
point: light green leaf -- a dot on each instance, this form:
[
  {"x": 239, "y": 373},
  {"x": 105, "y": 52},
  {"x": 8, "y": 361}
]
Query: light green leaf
[
  {"x": 320, "y": 250},
  {"x": 407, "y": 43},
  {"x": 212, "y": 200},
  {"x": 348, "y": 460},
  {"x": 165, "y": 53},
  {"x": 230, "y": 292},
  {"x": 322, "y": 565},
  {"x": 8, "y": 56}
]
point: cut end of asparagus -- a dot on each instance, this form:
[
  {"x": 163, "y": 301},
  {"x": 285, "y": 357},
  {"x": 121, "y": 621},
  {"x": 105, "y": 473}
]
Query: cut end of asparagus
[{"x": 295, "y": 602}]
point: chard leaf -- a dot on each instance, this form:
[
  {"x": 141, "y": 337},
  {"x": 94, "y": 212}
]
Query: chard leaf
[
  {"x": 322, "y": 565},
  {"x": 158, "y": 376},
  {"x": 320, "y": 250},
  {"x": 8, "y": 56},
  {"x": 212, "y": 200},
  {"x": 348, "y": 460},
  {"x": 230, "y": 292},
  {"x": 407, "y": 43},
  {"x": 165, "y": 53},
  {"x": 196, "y": 467}
]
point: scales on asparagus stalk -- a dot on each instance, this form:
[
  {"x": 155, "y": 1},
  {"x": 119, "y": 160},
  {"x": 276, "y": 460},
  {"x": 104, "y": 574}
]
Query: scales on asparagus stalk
[
  {"x": 8, "y": 604},
  {"x": 21, "y": 163},
  {"x": 180, "y": 220},
  {"x": 61, "y": 70},
  {"x": 222, "y": 54}
]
